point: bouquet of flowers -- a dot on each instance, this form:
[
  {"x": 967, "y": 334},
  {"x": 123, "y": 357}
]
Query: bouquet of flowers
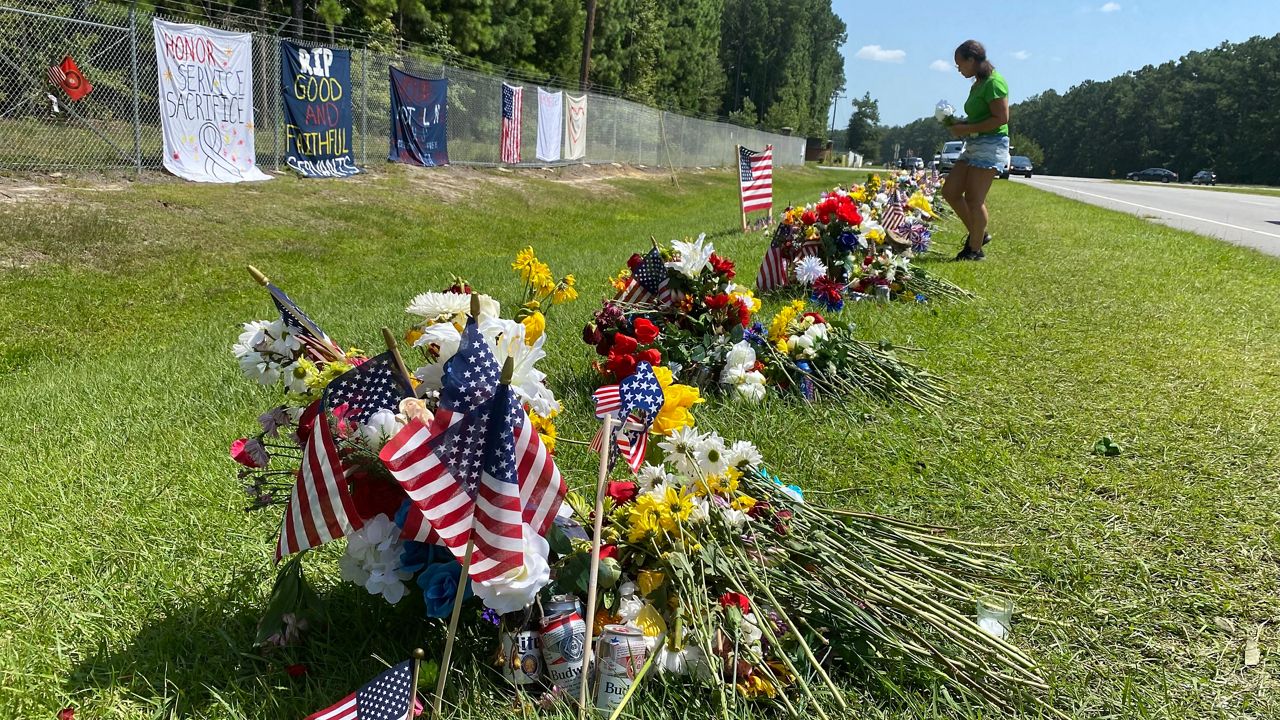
[
  {"x": 679, "y": 309},
  {"x": 945, "y": 113}
]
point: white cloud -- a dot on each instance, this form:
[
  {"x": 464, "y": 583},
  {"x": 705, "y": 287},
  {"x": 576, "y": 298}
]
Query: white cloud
[
  {"x": 1021, "y": 55},
  {"x": 1110, "y": 7},
  {"x": 879, "y": 54},
  {"x": 940, "y": 66}
]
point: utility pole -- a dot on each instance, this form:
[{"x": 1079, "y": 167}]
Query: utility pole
[
  {"x": 586, "y": 45},
  {"x": 836, "y": 97}
]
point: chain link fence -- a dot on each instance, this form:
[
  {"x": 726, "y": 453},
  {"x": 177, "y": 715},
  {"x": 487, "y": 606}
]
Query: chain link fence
[{"x": 118, "y": 124}]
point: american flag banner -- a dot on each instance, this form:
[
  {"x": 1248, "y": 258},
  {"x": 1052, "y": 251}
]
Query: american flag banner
[
  {"x": 320, "y": 508},
  {"x": 755, "y": 178},
  {"x": 648, "y": 283},
  {"x": 639, "y": 396},
  {"x": 480, "y": 467},
  {"x": 386, "y": 697},
  {"x": 512, "y": 97},
  {"x": 376, "y": 384}
]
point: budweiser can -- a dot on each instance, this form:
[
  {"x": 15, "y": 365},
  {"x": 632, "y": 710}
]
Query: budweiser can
[
  {"x": 621, "y": 653},
  {"x": 560, "y": 605},
  {"x": 521, "y": 651},
  {"x": 564, "y": 638}
]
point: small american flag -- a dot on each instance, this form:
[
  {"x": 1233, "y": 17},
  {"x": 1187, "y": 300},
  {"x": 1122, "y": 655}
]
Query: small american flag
[
  {"x": 773, "y": 269},
  {"x": 648, "y": 284},
  {"x": 639, "y": 395},
  {"x": 319, "y": 345},
  {"x": 320, "y": 508},
  {"x": 386, "y": 697},
  {"x": 755, "y": 178},
  {"x": 373, "y": 385},
  {"x": 512, "y": 97},
  {"x": 479, "y": 465},
  {"x": 893, "y": 218}
]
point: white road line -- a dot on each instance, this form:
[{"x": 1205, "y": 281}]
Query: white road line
[{"x": 1156, "y": 209}]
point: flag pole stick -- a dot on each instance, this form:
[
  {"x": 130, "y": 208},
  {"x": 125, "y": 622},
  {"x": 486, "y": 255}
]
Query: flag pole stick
[
  {"x": 465, "y": 576},
  {"x": 395, "y": 353},
  {"x": 257, "y": 275},
  {"x": 606, "y": 449},
  {"x": 418, "y": 655}
]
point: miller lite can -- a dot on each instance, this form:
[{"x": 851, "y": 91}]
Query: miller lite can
[
  {"x": 621, "y": 653},
  {"x": 564, "y": 639},
  {"x": 520, "y": 654}
]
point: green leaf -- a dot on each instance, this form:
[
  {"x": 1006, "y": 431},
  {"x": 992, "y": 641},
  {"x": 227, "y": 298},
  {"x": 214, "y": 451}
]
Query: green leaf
[{"x": 1105, "y": 447}]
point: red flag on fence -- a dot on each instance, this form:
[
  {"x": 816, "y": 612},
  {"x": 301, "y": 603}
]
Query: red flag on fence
[{"x": 67, "y": 76}]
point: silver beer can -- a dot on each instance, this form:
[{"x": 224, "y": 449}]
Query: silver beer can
[
  {"x": 564, "y": 638},
  {"x": 560, "y": 605},
  {"x": 522, "y": 657},
  {"x": 621, "y": 653}
]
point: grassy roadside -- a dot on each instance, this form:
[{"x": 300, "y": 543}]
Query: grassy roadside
[{"x": 135, "y": 581}]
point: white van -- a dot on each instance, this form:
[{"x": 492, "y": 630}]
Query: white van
[{"x": 950, "y": 153}]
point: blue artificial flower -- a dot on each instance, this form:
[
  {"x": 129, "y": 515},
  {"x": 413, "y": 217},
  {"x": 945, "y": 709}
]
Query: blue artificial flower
[
  {"x": 491, "y": 615},
  {"x": 921, "y": 239},
  {"x": 920, "y": 298},
  {"x": 756, "y": 334},
  {"x": 835, "y": 304},
  {"x": 849, "y": 241},
  {"x": 793, "y": 491},
  {"x": 439, "y": 583}
]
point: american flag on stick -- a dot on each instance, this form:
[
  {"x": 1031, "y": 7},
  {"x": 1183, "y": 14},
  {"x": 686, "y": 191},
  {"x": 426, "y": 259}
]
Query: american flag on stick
[
  {"x": 390, "y": 696},
  {"x": 648, "y": 283},
  {"x": 639, "y": 398},
  {"x": 319, "y": 345},
  {"x": 755, "y": 180},
  {"x": 773, "y": 269},
  {"x": 512, "y": 97},
  {"x": 479, "y": 471},
  {"x": 320, "y": 508}
]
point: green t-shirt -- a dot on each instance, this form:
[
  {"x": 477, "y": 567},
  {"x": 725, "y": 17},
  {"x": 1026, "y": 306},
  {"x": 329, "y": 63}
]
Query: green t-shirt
[{"x": 978, "y": 106}]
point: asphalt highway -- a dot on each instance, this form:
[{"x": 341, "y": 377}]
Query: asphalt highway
[{"x": 1243, "y": 219}]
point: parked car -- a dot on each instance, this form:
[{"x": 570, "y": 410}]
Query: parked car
[
  {"x": 950, "y": 153},
  {"x": 1159, "y": 174},
  {"x": 1018, "y": 165},
  {"x": 911, "y": 163},
  {"x": 1205, "y": 177}
]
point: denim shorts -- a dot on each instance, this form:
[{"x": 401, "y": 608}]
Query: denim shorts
[{"x": 986, "y": 152}]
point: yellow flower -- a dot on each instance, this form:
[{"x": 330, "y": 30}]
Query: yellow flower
[
  {"x": 650, "y": 621},
  {"x": 319, "y": 379},
  {"x": 811, "y": 233},
  {"x": 643, "y": 519},
  {"x": 778, "y": 327},
  {"x": 757, "y": 686},
  {"x": 743, "y": 503},
  {"x": 649, "y": 580},
  {"x": 564, "y": 291},
  {"x": 675, "y": 414},
  {"x": 412, "y": 336},
  {"x": 534, "y": 325},
  {"x": 875, "y": 235},
  {"x": 725, "y": 484},
  {"x": 541, "y": 279},
  {"x": 858, "y": 194},
  {"x": 745, "y": 295},
  {"x": 921, "y": 203},
  {"x": 524, "y": 263},
  {"x": 677, "y": 507}
]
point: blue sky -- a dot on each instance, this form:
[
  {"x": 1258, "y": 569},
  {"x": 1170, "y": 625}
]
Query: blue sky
[{"x": 894, "y": 48}]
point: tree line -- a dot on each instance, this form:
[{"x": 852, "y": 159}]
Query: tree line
[
  {"x": 1215, "y": 109},
  {"x": 767, "y": 63}
]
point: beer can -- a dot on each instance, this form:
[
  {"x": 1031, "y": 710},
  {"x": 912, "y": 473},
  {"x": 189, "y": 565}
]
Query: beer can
[
  {"x": 621, "y": 653},
  {"x": 562, "y": 604},
  {"x": 522, "y": 656},
  {"x": 564, "y": 638}
]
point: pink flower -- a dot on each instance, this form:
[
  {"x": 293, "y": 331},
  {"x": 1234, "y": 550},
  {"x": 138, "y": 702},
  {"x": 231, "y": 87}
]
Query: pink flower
[
  {"x": 67, "y": 713},
  {"x": 250, "y": 453}
]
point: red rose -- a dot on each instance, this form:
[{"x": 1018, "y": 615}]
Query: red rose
[
  {"x": 848, "y": 212},
  {"x": 730, "y": 599},
  {"x": 620, "y": 366},
  {"x": 744, "y": 313},
  {"x": 67, "y": 713},
  {"x": 634, "y": 261},
  {"x": 296, "y": 670},
  {"x": 828, "y": 205},
  {"x": 715, "y": 302},
  {"x": 651, "y": 356},
  {"x": 808, "y": 217},
  {"x": 646, "y": 331},
  {"x": 608, "y": 551},
  {"x": 624, "y": 344},
  {"x": 621, "y": 492},
  {"x": 817, "y": 318},
  {"x": 723, "y": 266}
]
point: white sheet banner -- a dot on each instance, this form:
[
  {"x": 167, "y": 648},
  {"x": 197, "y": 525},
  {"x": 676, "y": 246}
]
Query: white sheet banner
[
  {"x": 550, "y": 119},
  {"x": 206, "y": 102},
  {"x": 575, "y": 127}
]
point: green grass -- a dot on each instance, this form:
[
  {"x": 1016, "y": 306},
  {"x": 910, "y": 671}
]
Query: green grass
[{"x": 134, "y": 580}]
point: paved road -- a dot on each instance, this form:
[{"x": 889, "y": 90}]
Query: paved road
[{"x": 1249, "y": 220}]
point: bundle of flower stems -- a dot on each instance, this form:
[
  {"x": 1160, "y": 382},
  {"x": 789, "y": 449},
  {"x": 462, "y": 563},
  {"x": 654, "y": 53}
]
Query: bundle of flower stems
[
  {"x": 858, "y": 591},
  {"x": 922, "y": 282}
]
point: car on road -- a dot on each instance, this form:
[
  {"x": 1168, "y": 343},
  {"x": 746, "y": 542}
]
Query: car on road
[
  {"x": 911, "y": 163},
  {"x": 950, "y": 153},
  {"x": 1205, "y": 177},
  {"x": 1018, "y": 165},
  {"x": 1157, "y": 174}
]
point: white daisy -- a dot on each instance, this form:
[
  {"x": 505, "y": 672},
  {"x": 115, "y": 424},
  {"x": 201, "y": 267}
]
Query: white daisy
[
  {"x": 744, "y": 454},
  {"x": 712, "y": 456},
  {"x": 681, "y": 447}
]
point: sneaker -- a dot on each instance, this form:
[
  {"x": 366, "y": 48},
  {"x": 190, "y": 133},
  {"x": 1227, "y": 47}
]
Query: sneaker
[
  {"x": 967, "y": 254},
  {"x": 986, "y": 238}
]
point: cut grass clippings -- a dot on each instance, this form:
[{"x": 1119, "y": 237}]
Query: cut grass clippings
[{"x": 134, "y": 579}]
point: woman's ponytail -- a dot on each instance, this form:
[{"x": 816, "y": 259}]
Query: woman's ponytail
[{"x": 973, "y": 50}]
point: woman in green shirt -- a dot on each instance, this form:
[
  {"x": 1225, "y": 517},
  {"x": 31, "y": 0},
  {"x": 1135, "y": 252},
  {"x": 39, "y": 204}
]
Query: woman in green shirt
[{"x": 986, "y": 150}]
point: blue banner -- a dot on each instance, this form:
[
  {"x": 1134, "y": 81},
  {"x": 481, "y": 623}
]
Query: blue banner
[
  {"x": 317, "y": 110},
  {"x": 419, "y": 117}
]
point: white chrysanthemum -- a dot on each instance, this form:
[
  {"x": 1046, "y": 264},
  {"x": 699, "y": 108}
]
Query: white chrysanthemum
[
  {"x": 650, "y": 475},
  {"x": 735, "y": 519},
  {"x": 255, "y": 333},
  {"x": 943, "y": 110},
  {"x": 436, "y": 307},
  {"x": 688, "y": 660},
  {"x": 629, "y": 607},
  {"x": 817, "y": 331},
  {"x": 701, "y": 511},
  {"x": 694, "y": 256},
  {"x": 507, "y": 338},
  {"x": 712, "y": 455},
  {"x": 744, "y": 454},
  {"x": 809, "y": 269},
  {"x": 681, "y": 447},
  {"x": 381, "y": 427},
  {"x": 741, "y": 355},
  {"x": 733, "y": 375},
  {"x": 516, "y": 589},
  {"x": 752, "y": 388},
  {"x": 372, "y": 559},
  {"x": 295, "y": 379}
]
